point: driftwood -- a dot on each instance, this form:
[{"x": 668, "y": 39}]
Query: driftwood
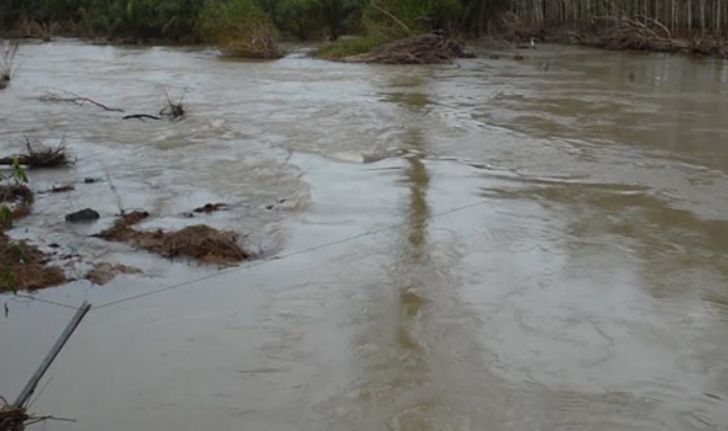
[
  {"x": 647, "y": 34},
  {"x": 45, "y": 157},
  {"x": 421, "y": 49},
  {"x": 140, "y": 117}
]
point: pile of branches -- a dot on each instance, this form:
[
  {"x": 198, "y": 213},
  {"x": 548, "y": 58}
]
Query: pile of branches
[
  {"x": 647, "y": 34},
  {"x": 638, "y": 33},
  {"x": 7, "y": 57},
  {"x": 199, "y": 242},
  {"x": 44, "y": 157},
  {"x": 429, "y": 48}
]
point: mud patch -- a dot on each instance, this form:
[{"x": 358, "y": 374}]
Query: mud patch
[
  {"x": 200, "y": 242},
  {"x": 25, "y": 267},
  {"x": 104, "y": 272}
]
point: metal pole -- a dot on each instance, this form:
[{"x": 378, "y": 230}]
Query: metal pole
[{"x": 65, "y": 335}]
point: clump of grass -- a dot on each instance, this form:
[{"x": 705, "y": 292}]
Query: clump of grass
[{"x": 348, "y": 47}]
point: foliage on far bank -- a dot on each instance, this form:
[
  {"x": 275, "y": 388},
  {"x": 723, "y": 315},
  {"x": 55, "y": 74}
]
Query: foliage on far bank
[
  {"x": 239, "y": 27},
  {"x": 251, "y": 27}
]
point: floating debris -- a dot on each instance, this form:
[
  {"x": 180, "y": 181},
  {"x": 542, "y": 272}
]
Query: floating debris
[{"x": 104, "y": 272}]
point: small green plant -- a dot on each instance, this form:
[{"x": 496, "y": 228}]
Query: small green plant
[
  {"x": 6, "y": 215},
  {"x": 348, "y": 47},
  {"x": 18, "y": 173},
  {"x": 9, "y": 280}
]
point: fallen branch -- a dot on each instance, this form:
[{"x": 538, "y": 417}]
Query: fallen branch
[
  {"x": 68, "y": 97},
  {"x": 140, "y": 117}
]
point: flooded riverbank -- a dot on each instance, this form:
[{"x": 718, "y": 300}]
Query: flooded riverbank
[{"x": 546, "y": 242}]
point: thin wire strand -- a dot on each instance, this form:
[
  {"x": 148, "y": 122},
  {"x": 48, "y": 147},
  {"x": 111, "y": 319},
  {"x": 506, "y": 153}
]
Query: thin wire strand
[
  {"x": 281, "y": 257},
  {"x": 46, "y": 301}
]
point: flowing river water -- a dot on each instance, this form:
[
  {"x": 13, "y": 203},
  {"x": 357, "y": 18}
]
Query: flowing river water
[{"x": 490, "y": 245}]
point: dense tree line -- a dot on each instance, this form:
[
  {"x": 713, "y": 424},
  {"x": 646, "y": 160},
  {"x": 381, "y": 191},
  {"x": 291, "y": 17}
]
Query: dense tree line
[{"x": 306, "y": 19}]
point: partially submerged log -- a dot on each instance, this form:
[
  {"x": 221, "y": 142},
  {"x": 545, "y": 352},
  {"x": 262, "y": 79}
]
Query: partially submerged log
[
  {"x": 199, "y": 242},
  {"x": 427, "y": 48},
  {"x": 45, "y": 157}
]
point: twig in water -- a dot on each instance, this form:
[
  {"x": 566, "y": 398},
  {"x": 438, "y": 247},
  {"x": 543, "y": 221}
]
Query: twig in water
[
  {"x": 69, "y": 97},
  {"x": 119, "y": 202},
  {"x": 140, "y": 117}
]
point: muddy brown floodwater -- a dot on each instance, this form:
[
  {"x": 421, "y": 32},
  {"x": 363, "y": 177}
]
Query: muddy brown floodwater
[{"x": 548, "y": 247}]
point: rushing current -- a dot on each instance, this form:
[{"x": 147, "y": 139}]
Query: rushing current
[{"x": 488, "y": 245}]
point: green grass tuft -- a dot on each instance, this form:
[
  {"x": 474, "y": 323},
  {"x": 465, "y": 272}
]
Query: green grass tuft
[{"x": 349, "y": 46}]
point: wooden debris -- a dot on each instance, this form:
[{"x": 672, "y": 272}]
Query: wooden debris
[{"x": 427, "y": 48}]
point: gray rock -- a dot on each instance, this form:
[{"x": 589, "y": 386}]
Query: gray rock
[{"x": 85, "y": 215}]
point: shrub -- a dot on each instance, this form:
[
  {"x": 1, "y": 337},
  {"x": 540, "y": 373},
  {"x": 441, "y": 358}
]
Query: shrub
[{"x": 240, "y": 28}]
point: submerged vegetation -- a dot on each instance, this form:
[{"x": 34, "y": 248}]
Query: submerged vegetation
[
  {"x": 251, "y": 27},
  {"x": 22, "y": 265},
  {"x": 7, "y": 57}
]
